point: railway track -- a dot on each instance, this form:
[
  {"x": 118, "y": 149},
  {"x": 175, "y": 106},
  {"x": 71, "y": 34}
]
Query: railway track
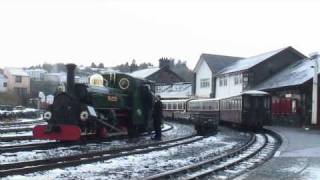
[
  {"x": 8, "y": 130},
  {"x": 49, "y": 145},
  {"x": 16, "y": 138},
  {"x": 22, "y": 123},
  {"x": 74, "y": 160},
  {"x": 262, "y": 145}
]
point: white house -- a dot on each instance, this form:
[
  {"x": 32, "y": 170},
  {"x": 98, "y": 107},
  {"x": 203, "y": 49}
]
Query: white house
[
  {"x": 36, "y": 74},
  {"x": 205, "y": 71},
  {"x": 3, "y": 83}
]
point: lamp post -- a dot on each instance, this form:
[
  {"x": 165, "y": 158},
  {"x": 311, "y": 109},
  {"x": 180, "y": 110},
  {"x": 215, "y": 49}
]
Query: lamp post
[{"x": 315, "y": 56}]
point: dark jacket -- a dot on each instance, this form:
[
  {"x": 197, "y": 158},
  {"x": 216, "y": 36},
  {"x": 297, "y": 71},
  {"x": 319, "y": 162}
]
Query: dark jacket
[{"x": 157, "y": 110}]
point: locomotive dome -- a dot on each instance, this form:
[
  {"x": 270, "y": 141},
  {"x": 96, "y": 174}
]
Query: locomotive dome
[{"x": 96, "y": 80}]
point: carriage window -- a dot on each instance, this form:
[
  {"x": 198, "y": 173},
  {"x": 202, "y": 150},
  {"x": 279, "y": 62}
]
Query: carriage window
[
  {"x": 180, "y": 106},
  {"x": 174, "y": 106},
  {"x": 294, "y": 106},
  {"x": 266, "y": 103},
  {"x": 165, "y": 106},
  {"x": 169, "y": 105}
]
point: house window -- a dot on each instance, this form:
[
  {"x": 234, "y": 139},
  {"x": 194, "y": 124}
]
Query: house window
[
  {"x": 5, "y": 84},
  {"x": 220, "y": 82},
  {"x": 225, "y": 81},
  {"x": 18, "y": 79},
  {"x": 236, "y": 79},
  {"x": 245, "y": 82},
  {"x": 204, "y": 83}
]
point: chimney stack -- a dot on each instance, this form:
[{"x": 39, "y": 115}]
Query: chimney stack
[{"x": 70, "y": 77}]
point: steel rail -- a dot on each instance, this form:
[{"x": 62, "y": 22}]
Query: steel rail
[
  {"x": 48, "y": 145},
  {"x": 74, "y": 160},
  {"x": 173, "y": 174}
]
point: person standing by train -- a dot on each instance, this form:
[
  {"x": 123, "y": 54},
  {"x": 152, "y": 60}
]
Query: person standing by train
[{"x": 157, "y": 118}]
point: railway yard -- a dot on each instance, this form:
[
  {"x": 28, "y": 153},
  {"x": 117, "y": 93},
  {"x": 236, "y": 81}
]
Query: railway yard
[{"x": 182, "y": 154}]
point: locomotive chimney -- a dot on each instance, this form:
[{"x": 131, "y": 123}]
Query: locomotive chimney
[{"x": 70, "y": 77}]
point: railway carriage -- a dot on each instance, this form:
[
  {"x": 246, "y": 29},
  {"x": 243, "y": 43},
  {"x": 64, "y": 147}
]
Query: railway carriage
[
  {"x": 249, "y": 109},
  {"x": 176, "y": 109},
  {"x": 204, "y": 114}
]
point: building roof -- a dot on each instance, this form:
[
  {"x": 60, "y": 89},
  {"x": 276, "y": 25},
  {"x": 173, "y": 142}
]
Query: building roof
[
  {"x": 295, "y": 74},
  {"x": 177, "y": 90},
  {"x": 247, "y": 63},
  {"x": 17, "y": 72},
  {"x": 36, "y": 70},
  {"x": 216, "y": 62},
  {"x": 144, "y": 73}
]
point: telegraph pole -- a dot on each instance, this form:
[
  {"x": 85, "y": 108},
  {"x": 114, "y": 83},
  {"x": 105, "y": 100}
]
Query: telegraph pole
[{"x": 314, "y": 57}]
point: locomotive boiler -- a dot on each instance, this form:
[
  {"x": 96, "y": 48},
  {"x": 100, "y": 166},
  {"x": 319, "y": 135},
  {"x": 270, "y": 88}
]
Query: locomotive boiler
[{"x": 111, "y": 104}]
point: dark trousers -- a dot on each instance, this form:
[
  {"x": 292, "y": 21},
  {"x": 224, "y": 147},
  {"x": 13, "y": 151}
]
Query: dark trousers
[{"x": 157, "y": 127}]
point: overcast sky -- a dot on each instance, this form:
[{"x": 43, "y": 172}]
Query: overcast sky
[{"x": 114, "y": 32}]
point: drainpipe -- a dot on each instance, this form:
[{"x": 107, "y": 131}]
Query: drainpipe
[{"x": 315, "y": 56}]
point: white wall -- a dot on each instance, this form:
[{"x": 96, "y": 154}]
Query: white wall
[
  {"x": 203, "y": 72},
  {"x": 231, "y": 88}
]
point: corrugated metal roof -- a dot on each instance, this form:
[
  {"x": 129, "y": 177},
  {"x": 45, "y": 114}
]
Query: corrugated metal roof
[
  {"x": 247, "y": 63},
  {"x": 296, "y": 74}
]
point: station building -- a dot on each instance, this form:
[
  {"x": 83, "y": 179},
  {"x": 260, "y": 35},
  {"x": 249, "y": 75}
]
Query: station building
[
  {"x": 285, "y": 73},
  {"x": 247, "y": 73},
  {"x": 291, "y": 93}
]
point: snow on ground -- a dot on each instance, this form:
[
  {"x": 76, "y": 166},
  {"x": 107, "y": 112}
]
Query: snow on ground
[
  {"x": 22, "y": 133},
  {"x": 22, "y": 121},
  {"x": 137, "y": 166},
  {"x": 178, "y": 130},
  {"x": 312, "y": 173},
  {"x": 15, "y": 143}
]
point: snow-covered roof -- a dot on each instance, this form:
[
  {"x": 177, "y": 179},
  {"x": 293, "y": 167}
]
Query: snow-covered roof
[
  {"x": 144, "y": 73},
  {"x": 57, "y": 74},
  {"x": 247, "y": 63},
  {"x": 296, "y": 74},
  {"x": 17, "y": 72},
  {"x": 108, "y": 70},
  {"x": 255, "y": 92},
  {"x": 36, "y": 70},
  {"x": 177, "y": 91}
]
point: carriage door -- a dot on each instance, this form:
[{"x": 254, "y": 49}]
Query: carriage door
[{"x": 257, "y": 111}]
